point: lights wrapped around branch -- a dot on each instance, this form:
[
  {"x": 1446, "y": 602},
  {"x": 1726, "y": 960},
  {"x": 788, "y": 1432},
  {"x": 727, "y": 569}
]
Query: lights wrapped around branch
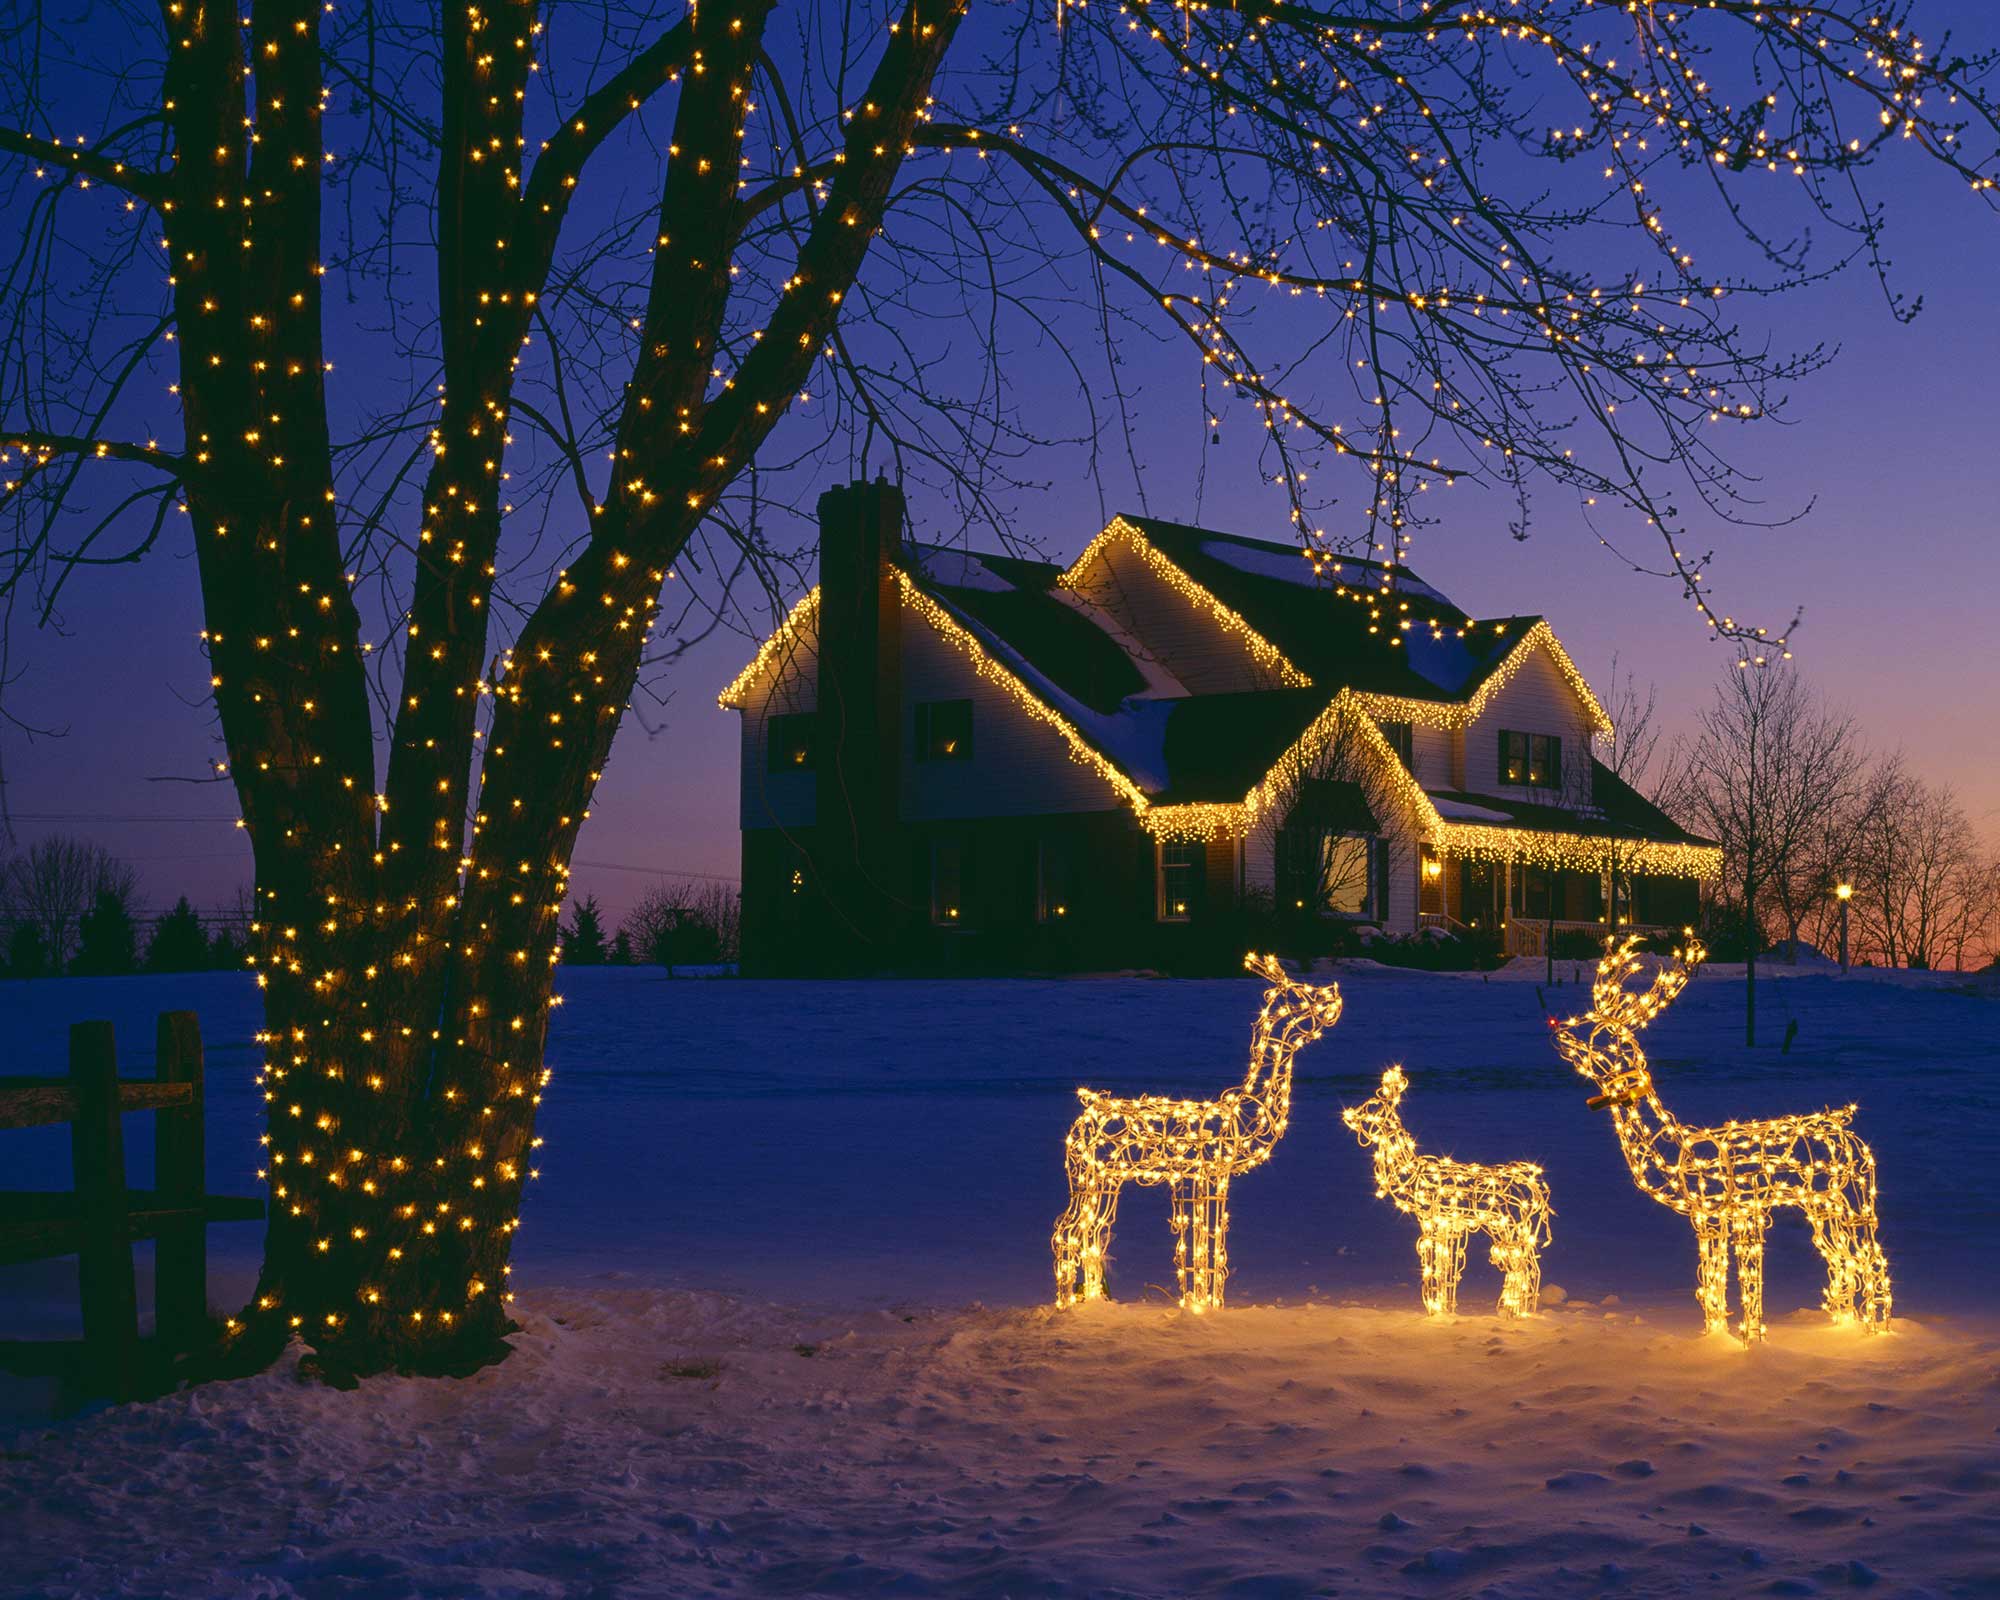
[
  {"x": 1727, "y": 1180},
  {"x": 1452, "y": 1200},
  {"x": 1195, "y": 1145}
]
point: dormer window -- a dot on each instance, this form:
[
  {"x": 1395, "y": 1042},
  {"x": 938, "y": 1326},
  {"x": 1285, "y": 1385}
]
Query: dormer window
[
  {"x": 944, "y": 730},
  {"x": 790, "y": 742},
  {"x": 1530, "y": 760}
]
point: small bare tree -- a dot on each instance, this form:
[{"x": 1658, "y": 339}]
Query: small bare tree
[
  {"x": 51, "y": 884},
  {"x": 1919, "y": 876},
  {"x": 689, "y": 920},
  {"x": 1770, "y": 764}
]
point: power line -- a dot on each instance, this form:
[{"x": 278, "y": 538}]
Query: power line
[{"x": 659, "y": 872}]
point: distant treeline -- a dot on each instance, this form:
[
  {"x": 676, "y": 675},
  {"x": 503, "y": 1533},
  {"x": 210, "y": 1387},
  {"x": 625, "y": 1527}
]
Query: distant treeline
[
  {"x": 68, "y": 909},
  {"x": 692, "y": 924}
]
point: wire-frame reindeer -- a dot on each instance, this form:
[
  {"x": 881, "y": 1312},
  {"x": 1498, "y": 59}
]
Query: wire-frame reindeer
[
  {"x": 1452, "y": 1200},
  {"x": 1195, "y": 1145},
  {"x": 1728, "y": 1180}
]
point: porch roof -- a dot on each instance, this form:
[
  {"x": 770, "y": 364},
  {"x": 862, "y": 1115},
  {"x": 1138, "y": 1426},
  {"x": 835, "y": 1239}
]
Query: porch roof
[{"x": 1617, "y": 811}]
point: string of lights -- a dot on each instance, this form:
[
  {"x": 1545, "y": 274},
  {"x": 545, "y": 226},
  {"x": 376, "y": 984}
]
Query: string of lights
[
  {"x": 1197, "y": 1146},
  {"x": 1452, "y": 1200},
  {"x": 1728, "y": 1179}
]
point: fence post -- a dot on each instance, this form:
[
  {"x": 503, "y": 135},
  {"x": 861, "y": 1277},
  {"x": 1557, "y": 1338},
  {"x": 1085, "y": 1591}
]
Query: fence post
[
  {"x": 104, "y": 1258},
  {"x": 180, "y": 1258}
]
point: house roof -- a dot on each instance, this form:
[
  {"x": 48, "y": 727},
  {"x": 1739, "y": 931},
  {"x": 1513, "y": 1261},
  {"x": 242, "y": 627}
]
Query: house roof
[
  {"x": 1018, "y": 602},
  {"x": 1333, "y": 629},
  {"x": 1616, "y": 811},
  {"x": 1342, "y": 621}
]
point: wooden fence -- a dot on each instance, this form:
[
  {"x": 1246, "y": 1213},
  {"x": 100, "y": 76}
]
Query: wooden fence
[{"x": 99, "y": 1219}]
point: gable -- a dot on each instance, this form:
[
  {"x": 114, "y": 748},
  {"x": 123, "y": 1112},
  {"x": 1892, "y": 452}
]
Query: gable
[{"x": 1181, "y": 626}]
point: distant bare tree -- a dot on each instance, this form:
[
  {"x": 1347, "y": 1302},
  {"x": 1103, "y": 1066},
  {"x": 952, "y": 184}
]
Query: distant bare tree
[
  {"x": 1635, "y": 734},
  {"x": 689, "y": 922},
  {"x": 1919, "y": 877},
  {"x": 52, "y": 883},
  {"x": 1770, "y": 764}
]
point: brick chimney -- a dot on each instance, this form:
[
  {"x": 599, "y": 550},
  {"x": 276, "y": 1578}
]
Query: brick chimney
[{"x": 857, "y": 834}]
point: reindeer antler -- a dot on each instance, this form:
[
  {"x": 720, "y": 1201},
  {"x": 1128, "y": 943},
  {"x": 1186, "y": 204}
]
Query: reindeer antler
[{"x": 1269, "y": 968}]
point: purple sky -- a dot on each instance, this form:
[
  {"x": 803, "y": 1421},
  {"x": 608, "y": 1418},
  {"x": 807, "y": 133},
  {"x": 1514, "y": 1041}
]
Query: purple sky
[{"x": 1897, "y": 567}]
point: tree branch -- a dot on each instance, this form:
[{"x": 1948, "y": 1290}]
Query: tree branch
[{"x": 93, "y": 163}]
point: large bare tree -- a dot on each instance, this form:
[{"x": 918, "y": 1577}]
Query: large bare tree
[{"x": 419, "y": 278}]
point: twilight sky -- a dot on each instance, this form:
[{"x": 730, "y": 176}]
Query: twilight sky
[{"x": 1897, "y": 568}]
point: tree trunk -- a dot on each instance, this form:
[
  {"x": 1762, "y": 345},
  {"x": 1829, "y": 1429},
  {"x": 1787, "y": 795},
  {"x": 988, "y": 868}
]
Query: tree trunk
[{"x": 1749, "y": 965}]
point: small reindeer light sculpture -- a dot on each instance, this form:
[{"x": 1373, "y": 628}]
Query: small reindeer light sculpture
[
  {"x": 1453, "y": 1200},
  {"x": 1195, "y": 1145},
  {"x": 1727, "y": 1180}
]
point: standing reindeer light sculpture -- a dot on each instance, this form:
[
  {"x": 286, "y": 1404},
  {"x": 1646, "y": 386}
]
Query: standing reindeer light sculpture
[
  {"x": 1453, "y": 1200},
  {"x": 1195, "y": 1145},
  {"x": 1727, "y": 1180}
]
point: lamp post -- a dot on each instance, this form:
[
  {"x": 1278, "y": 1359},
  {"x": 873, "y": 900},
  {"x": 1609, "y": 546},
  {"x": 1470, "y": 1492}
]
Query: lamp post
[{"x": 1845, "y": 892}]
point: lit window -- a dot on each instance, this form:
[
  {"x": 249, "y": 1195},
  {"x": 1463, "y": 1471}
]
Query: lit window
[
  {"x": 944, "y": 730},
  {"x": 790, "y": 742},
  {"x": 1181, "y": 868},
  {"x": 1530, "y": 760}
]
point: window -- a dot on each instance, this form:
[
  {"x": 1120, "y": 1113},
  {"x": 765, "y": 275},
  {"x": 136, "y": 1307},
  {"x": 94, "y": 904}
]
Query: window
[
  {"x": 791, "y": 742},
  {"x": 1530, "y": 760},
  {"x": 1055, "y": 880},
  {"x": 948, "y": 882},
  {"x": 1181, "y": 869},
  {"x": 1401, "y": 741},
  {"x": 944, "y": 730},
  {"x": 1328, "y": 874}
]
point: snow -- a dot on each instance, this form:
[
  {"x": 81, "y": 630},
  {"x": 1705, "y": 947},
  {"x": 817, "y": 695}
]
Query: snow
[
  {"x": 1289, "y": 565},
  {"x": 1466, "y": 811},
  {"x": 958, "y": 569},
  {"x": 784, "y": 1331}
]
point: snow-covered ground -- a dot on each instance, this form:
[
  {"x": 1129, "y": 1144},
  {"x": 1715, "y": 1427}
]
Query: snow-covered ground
[{"x": 784, "y": 1332}]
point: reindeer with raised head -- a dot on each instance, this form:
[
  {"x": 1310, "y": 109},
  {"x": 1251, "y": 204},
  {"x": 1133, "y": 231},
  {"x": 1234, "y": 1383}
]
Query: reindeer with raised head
[
  {"x": 1198, "y": 1146},
  {"x": 1452, "y": 1200},
  {"x": 1728, "y": 1180}
]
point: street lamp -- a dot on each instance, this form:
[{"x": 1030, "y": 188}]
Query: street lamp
[{"x": 1845, "y": 892}]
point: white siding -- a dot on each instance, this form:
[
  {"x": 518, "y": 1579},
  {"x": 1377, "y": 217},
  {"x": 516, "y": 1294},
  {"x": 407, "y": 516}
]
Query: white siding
[
  {"x": 1431, "y": 753},
  {"x": 1020, "y": 766},
  {"x": 783, "y": 799},
  {"x": 1181, "y": 634},
  {"x": 1537, "y": 699},
  {"x": 1400, "y": 915}
]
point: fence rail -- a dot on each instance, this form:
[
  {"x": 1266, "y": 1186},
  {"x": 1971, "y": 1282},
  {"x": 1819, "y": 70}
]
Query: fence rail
[{"x": 99, "y": 1218}]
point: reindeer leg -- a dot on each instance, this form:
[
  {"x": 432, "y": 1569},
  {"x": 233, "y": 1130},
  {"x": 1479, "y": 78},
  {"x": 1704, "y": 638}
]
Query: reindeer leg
[
  {"x": 1711, "y": 1288},
  {"x": 1833, "y": 1237},
  {"x": 1083, "y": 1235},
  {"x": 1429, "y": 1248},
  {"x": 1747, "y": 1233},
  {"x": 1520, "y": 1265},
  {"x": 1448, "y": 1257},
  {"x": 1198, "y": 1214}
]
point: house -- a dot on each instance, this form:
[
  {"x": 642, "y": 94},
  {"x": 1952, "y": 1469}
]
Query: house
[{"x": 957, "y": 758}]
